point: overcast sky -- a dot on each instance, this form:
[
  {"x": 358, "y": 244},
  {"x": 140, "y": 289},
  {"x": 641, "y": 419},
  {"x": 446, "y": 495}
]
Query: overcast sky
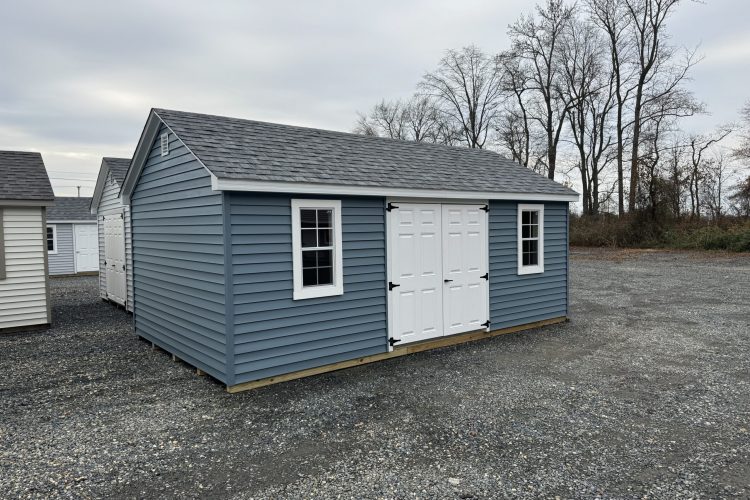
[{"x": 77, "y": 78}]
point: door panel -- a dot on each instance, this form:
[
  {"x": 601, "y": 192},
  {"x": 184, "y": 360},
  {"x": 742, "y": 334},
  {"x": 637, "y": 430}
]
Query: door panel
[
  {"x": 416, "y": 267},
  {"x": 87, "y": 248},
  {"x": 465, "y": 251},
  {"x": 114, "y": 256}
]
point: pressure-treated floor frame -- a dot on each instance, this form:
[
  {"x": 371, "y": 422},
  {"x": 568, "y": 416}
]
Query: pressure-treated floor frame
[{"x": 395, "y": 353}]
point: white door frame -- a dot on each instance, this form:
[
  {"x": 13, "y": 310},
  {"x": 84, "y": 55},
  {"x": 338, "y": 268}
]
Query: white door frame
[
  {"x": 75, "y": 248},
  {"x": 389, "y": 251}
]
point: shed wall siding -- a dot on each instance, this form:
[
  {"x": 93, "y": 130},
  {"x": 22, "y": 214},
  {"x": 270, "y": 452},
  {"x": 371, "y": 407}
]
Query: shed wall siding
[
  {"x": 23, "y": 292},
  {"x": 275, "y": 334},
  {"x": 514, "y": 299},
  {"x": 110, "y": 204},
  {"x": 178, "y": 259},
  {"x": 63, "y": 262}
]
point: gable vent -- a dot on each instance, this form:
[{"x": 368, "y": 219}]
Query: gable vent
[{"x": 165, "y": 144}]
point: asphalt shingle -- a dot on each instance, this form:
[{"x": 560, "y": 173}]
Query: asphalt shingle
[
  {"x": 118, "y": 167},
  {"x": 233, "y": 148},
  {"x": 71, "y": 209},
  {"x": 23, "y": 177}
]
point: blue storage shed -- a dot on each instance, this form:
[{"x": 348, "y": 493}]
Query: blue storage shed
[{"x": 266, "y": 252}]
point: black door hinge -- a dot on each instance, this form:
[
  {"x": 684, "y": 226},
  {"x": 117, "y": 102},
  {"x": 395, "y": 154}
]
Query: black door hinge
[
  {"x": 486, "y": 324},
  {"x": 392, "y": 285},
  {"x": 486, "y": 208},
  {"x": 393, "y": 341},
  {"x": 485, "y": 276},
  {"x": 390, "y": 206}
]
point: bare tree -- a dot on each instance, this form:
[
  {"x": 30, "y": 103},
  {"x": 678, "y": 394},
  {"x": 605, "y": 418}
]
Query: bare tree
[
  {"x": 536, "y": 42},
  {"x": 717, "y": 172},
  {"x": 743, "y": 149},
  {"x": 466, "y": 88},
  {"x": 612, "y": 17},
  {"x": 656, "y": 70},
  {"x": 740, "y": 198},
  {"x": 589, "y": 86},
  {"x": 386, "y": 119},
  {"x": 515, "y": 127},
  {"x": 698, "y": 146}
]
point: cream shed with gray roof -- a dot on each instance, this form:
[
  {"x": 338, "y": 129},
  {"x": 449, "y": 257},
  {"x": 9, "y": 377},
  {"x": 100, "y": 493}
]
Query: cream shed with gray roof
[
  {"x": 265, "y": 252},
  {"x": 115, "y": 243},
  {"x": 25, "y": 194}
]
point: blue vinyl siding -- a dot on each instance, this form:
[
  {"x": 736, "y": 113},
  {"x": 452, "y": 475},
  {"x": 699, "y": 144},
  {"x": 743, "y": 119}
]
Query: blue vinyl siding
[
  {"x": 275, "y": 334},
  {"x": 516, "y": 300},
  {"x": 178, "y": 259}
]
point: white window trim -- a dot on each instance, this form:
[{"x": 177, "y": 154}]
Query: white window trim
[
  {"x": 337, "y": 288},
  {"x": 164, "y": 144},
  {"x": 54, "y": 239},
  {"x": 539, "y": 268}
]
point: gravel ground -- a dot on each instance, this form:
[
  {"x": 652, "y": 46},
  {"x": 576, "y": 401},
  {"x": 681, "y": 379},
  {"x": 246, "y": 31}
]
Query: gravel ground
[{"x": 645, "y": 393}]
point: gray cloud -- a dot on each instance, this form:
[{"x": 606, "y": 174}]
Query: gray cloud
[{"x": 77, "y": 78}]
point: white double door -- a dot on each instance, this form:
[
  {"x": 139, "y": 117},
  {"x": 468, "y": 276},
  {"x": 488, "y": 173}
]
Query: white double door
[
  {"x": 114, "y": 258},
  {"x": 438, "y": 269}
]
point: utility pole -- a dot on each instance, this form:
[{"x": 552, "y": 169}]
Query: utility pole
[{"x": 79, "y": 191}]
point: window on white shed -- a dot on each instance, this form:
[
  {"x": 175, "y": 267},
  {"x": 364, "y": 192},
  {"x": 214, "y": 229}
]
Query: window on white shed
[
  {"x": 530, "y": 239},
  {"x": 52, "y": 239},
  {"x": 316, "y": 246}
]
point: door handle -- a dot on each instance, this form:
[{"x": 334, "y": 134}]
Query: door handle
[{"x": 447, "y": 281}]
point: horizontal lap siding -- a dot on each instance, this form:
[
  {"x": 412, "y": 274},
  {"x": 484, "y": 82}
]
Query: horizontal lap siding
[
  {"x": 178, "y": 259},
  {"x": 514, "y": 299},
  {"x": 63, "y": 261},
  {"x": 23, "y": 292},
  {"x": 275, "y": 334}
]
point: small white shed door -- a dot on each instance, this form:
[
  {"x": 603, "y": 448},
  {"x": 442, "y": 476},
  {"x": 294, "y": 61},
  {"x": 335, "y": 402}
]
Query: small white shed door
[
  {"x": 437, "y": 270},
  {"x": 416, "y": 272},
  {"x": 114, "y": 258},
  {"x": 465, "y": 250},
  {"x": 86, "y": 247}
]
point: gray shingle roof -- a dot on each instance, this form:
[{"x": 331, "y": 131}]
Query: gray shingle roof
[
  {"x": 118, "y": 167},
  {"x": 233, "y": 148},
  {"x": 71, "y": 208},
  {"x": 23, "y": 177}
]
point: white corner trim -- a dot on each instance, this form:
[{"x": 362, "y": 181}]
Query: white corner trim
[
  {"x": 539, "y": 268},
  {"x": 344, "y": 190},
  {"x": 337, "y": 288}
]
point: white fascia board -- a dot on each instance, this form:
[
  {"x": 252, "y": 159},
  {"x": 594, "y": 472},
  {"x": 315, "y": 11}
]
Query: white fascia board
[
  {"x": 341, "y": 190},
  {"x": 140, "y": 156},
  {"x": 101, "y": 180}
]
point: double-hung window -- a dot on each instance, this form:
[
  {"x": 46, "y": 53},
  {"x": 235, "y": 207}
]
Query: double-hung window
[
  {"x": 52, "y": 240},
  {"x": 530, "y": 239},
  {"x": 316, "y": 246}
]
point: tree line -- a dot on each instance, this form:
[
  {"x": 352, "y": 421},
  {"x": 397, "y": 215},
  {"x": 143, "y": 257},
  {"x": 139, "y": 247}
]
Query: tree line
[{"x": 594, "y": 89}]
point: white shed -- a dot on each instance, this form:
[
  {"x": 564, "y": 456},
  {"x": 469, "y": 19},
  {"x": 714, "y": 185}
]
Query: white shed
[
  {"x": 25, "y": 194},
  {"x": 72, "y": 241},
  {"x": 115, "y": 245}
]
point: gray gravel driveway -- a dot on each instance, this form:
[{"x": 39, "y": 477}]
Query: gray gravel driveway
[{"x": 646, "y": 392}]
